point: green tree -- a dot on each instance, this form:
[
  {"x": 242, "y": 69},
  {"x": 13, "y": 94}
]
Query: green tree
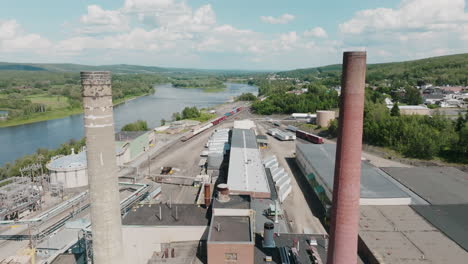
[
  {"x": 395, "y": 110},
  {"x": 139, "y": 125},
  {"x": 333, "y": 128},
  {"x": 412, "y": 96}
]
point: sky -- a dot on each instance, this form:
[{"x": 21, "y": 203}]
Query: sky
[{"x": 229, "y": 34}]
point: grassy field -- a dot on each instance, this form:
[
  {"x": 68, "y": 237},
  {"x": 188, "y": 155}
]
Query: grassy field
[
  {"x": 52, "y": 101},
  {"x": 204, "y": 117}
]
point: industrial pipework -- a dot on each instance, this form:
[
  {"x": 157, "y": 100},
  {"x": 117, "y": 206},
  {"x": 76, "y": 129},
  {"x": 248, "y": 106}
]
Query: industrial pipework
[
  {"x": 102, "y": 167},
  {"x": 346, "y": 187}
]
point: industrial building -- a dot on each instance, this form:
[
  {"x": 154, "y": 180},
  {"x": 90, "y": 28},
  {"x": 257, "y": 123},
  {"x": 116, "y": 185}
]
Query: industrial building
[
  {"x": 281, "y": 135},
  {"x": 218, "y": 146},
  {"x": 149, "y": 229},
  {"x": 412, "y": 109},
  {"x": 137, "y": 142},
  {"x": 317, "y": 162},
  {"x": 446, "y": 189},
  {"x": 246, "y": 173}
]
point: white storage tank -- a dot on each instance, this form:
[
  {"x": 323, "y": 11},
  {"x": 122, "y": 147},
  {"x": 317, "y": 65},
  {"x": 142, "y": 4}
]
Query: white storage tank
[
  {"x": 324, "y": 118},
  {"x": 69, "y": 171}
]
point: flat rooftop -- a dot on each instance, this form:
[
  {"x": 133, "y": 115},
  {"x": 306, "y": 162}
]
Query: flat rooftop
[
  {"x": 148, "y": 215},
  {"x": 375, "y": 184},
  {"x": 243, "y": 138},
  {"x": 286, "y": 240},
  {"x": 437, "y": 185},
  {"x": 246, "y": 172},
  {"x": 235, "y": 202},
  {"x": 128, "y": 135},
  {"x": 397, "y": 234},
  {"x": 451, "y": 219},
  {"x": 231, "y": 229}
]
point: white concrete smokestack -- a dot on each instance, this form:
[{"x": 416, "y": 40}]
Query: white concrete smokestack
[{"x": 102, "y": 168}]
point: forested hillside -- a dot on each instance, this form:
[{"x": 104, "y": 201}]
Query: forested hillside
[{"x": 451, "y": 70}]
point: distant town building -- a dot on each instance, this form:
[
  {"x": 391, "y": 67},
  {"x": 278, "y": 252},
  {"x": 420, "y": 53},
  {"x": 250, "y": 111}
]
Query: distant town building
[{"x": 412, "y": 109}]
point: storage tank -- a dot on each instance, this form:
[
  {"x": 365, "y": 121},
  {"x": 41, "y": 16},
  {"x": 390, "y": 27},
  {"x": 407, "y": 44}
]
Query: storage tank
[
  {"x": 69, "y": 171},
  {"x": 324, "y": 118}
]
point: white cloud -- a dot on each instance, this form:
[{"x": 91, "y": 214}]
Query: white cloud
[
  {"x": 283, "y": 19},
  {"x": 410, "y": 15},
  {"x": 316, "y": 32},
  {"x": 98, "y": 20},
  {"x": 14, "y": 39},
  {"x": 415, "y": 29}
]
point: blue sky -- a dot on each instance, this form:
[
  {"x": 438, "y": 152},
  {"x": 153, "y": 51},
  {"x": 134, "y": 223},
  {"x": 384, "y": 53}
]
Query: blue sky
[{"x": 228, "y": 34}]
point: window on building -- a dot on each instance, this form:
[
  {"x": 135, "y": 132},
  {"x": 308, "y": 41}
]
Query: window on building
[{"x": 230, "y": 256}]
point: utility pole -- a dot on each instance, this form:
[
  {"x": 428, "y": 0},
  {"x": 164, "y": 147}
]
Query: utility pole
[{"x": 149, "y": 165}]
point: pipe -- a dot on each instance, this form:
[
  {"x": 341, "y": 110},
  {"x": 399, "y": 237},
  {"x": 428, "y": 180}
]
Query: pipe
[
  {"x": 102, "y": 167},
  {"x": 207, "y": 195},
  {"x": 346, "y": 187}
]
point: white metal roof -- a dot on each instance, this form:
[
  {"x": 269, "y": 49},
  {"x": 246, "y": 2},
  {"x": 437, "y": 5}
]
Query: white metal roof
[{"x": 246, "y": 172}]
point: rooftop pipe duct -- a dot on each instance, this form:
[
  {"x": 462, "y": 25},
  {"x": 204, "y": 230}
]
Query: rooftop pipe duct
[
  {"x": 102, "y": 168},
  {"x": 346, "y": 187}
]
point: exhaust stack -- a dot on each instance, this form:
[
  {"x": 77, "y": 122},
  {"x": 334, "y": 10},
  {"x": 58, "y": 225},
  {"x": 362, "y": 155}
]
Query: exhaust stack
[
  {"x": 207, "y": 195},
  {"x": 346, "y": 187},
  {"x": 102, "y": 167}
]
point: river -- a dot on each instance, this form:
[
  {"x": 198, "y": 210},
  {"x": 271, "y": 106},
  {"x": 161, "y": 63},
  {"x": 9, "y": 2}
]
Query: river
[{"x": 21, "y": 140}]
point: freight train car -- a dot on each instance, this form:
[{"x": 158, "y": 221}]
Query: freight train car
[
  {"x": 218, "y": 120},
  {"x": 214, "y": 122},
  {"x": 309, "y": 137}
]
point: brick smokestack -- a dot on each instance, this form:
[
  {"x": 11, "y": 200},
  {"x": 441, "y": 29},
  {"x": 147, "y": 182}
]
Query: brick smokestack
[
  {"x": 102, "y": 167},
  {"x": 346, "y": 187}
]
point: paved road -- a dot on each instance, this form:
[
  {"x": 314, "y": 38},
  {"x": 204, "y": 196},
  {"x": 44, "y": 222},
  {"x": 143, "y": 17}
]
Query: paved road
[{"x": 296, "y": 206}]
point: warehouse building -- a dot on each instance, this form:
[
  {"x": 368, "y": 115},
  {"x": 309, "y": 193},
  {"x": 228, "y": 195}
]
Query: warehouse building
[
  {"x": 158, "y": 228},
  {"x": 446, "y": 189},
  {"x": 412, "y": 109},
  {"x": 246, "y": 174},
  {"x": 317, "y": 162},
  {"x": 137, "y": 143}
]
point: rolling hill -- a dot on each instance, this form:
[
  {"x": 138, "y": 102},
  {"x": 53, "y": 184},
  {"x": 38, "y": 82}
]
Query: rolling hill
[
  {"x": 442, "y": 70},
  {"x": 116, "y": 68}
]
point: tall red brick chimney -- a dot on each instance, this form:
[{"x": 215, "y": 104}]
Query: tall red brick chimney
[{"x": 346, "y": 187}]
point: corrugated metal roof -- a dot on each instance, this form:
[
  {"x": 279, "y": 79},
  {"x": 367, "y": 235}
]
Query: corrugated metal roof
[
  {"x": 244, "y": 138},
  {"x": 246, "y": 171}
]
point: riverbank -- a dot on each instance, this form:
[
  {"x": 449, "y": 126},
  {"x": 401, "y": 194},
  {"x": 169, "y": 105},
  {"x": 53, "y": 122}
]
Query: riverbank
[{"x": 57, "y": 113}]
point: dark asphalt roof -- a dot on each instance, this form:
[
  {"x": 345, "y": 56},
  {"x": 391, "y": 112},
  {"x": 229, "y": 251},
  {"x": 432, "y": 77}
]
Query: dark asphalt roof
[
  {"x": 232, "y": 229},
  {"x": 437, "y": 185},
  {"x": 286, "y": 240},
  {"x": 238, "y": 135},
  {"x": 187, "y": 214},
  {"x": 235, "y": 202},
  {"x": 450, "y": 219}
]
